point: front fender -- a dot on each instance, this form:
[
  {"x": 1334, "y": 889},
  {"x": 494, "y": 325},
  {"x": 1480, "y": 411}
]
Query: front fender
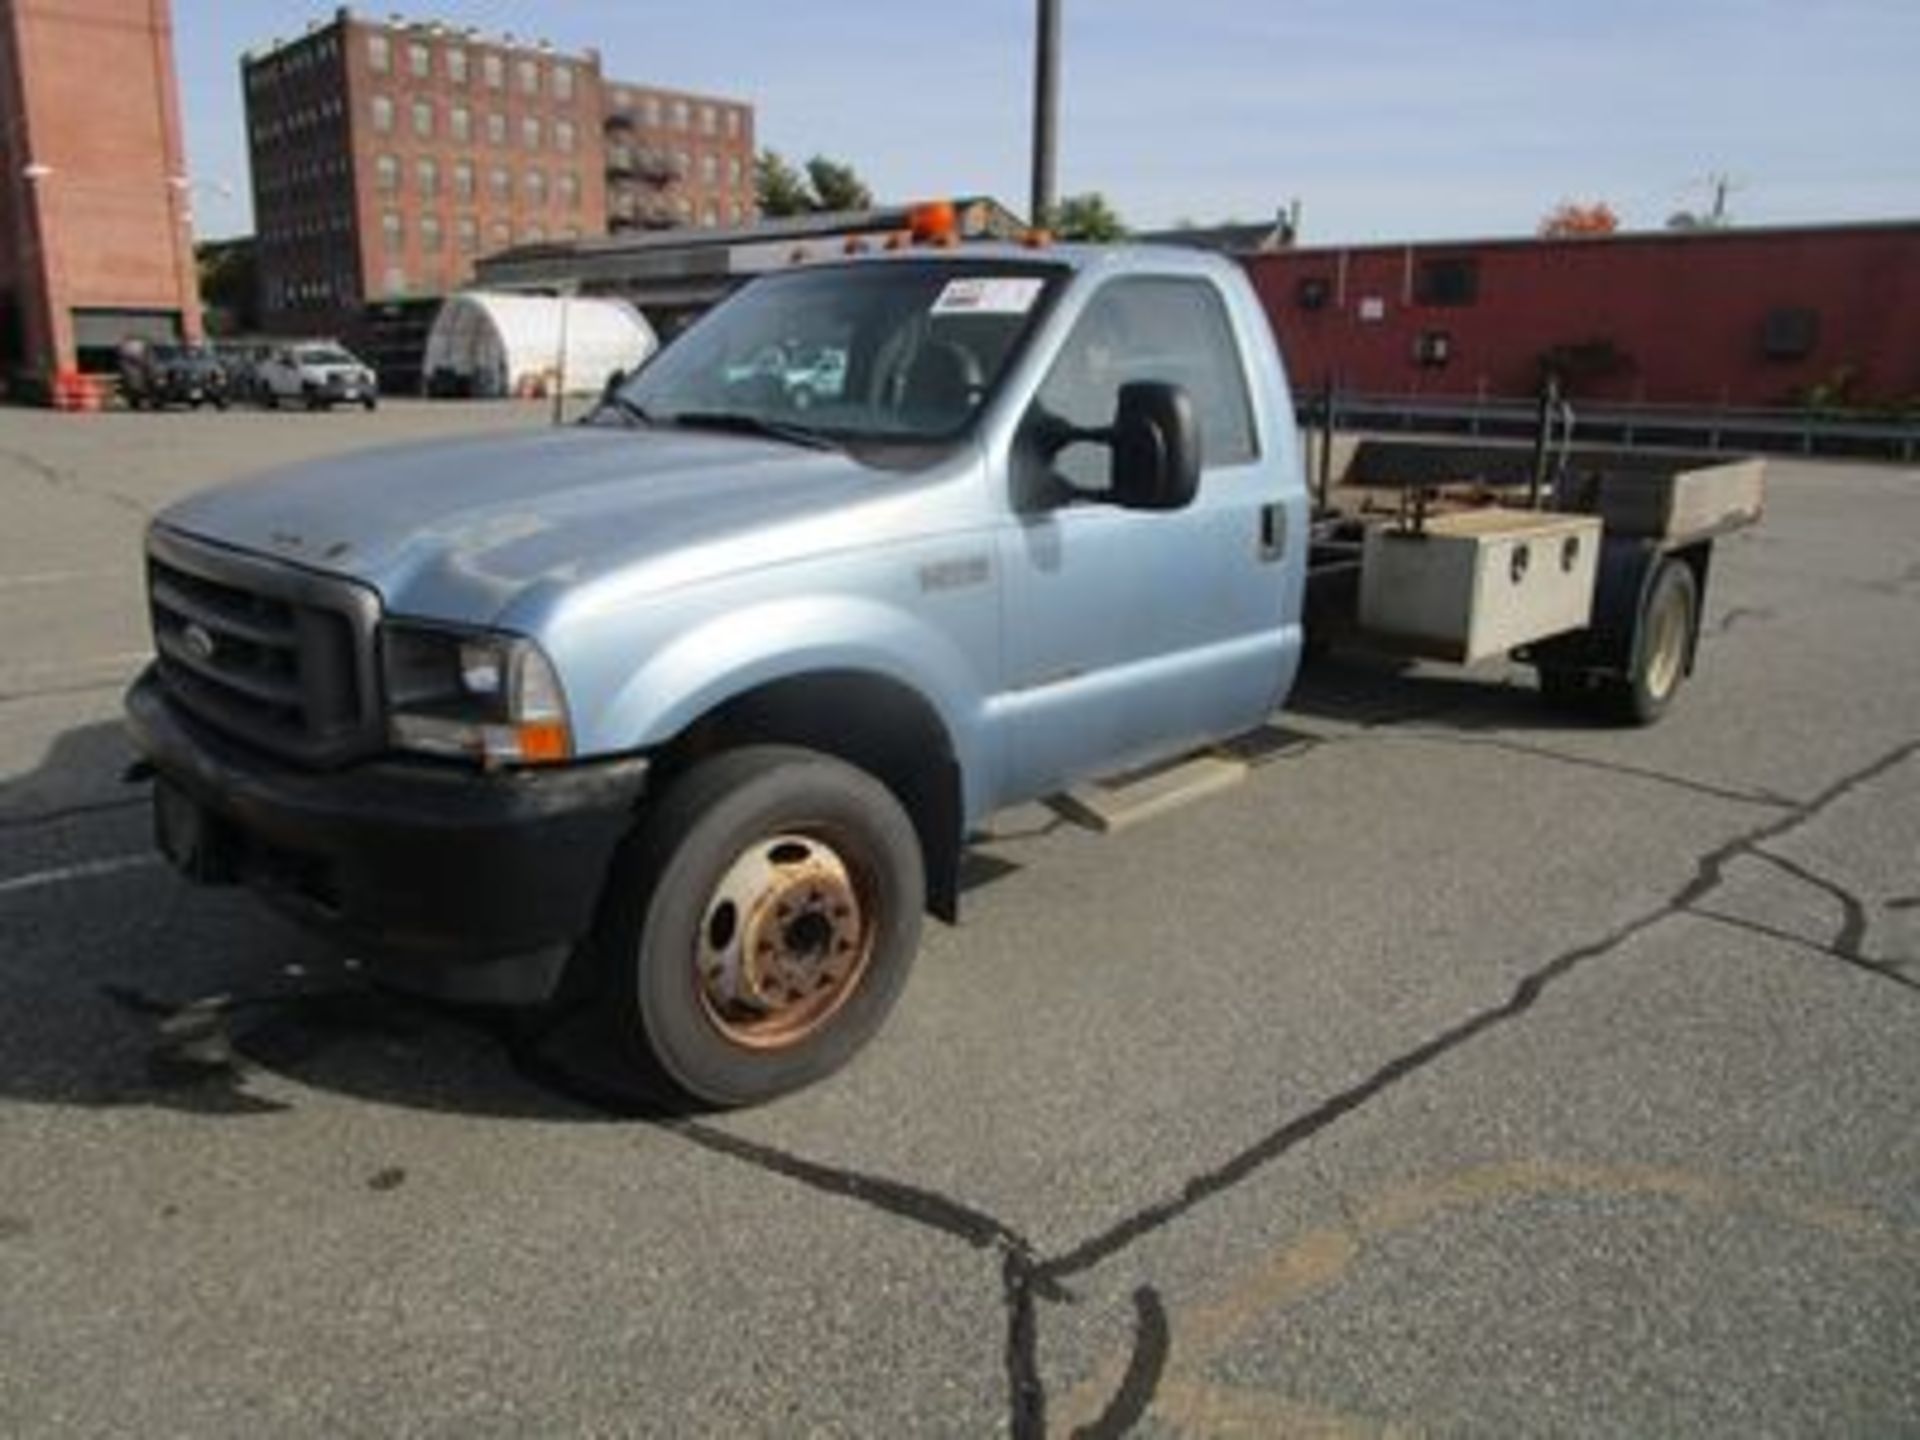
[{"x": 729, "y": 654}]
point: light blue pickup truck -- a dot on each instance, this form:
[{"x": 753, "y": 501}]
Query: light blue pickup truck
[{"x": 692, "y": 707}]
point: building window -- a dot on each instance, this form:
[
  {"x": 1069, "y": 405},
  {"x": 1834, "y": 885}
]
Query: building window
[
  {"x": 379, "y": 54},
  {"x": 463, "y": 180},
  {"x": 709, "y": 169},
  {"x": 684, "y": 208},
  {"x": 496, "y": 128},
  {"x": 381, "y": 109},
  {"x": 1790, "y": 332},
  {"x": 733, "y": 170},
  {"x": 733, "y": 123},
  {"x": 530, "y": 132},
  {"x": 430, "y": 238},
  {"x": 468, "y": 231},
  {"x": 457, "y": 65},
  {"x": 426, "y": 174},
  {"x": 563, "y": 82},
  {"x": 423, "y": 119},
  {"x": 535, "y": 182},
  {"x": 568, "y": 186},
  {"x": 681, "y": 165},
  {"x": 529, "y": 72},
  {"x": 386, "y": 174},
  {"x": 419, "y": 60},
  {"x": 679, "y": 114},
  {"x": 709, "y": 120},
  {"x": 393, "y": 232},
  {"x": 500, "y": 184},
  {"x": 534, "y": 234},
  {"x": 622, "y": 98},
  {"x": 563, "y": 136},
  {"x": 650, "y": 112},
  {"x": 710, "y": 215},
  {"x": 495, "y": 71},
  {"x": 1448, "y": 282},
  {"x": 460, "y": 124},
  {"x": 498, "y": 235}
]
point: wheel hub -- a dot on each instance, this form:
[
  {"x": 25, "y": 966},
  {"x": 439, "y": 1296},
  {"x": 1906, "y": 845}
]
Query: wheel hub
[{"x": 783, "y": 942}]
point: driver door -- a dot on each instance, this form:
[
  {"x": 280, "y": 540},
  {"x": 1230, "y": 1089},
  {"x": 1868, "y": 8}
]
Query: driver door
[{"x": 1132, "y": 634}]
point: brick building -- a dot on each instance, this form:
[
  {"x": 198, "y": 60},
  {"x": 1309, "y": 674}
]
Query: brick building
[
  {"x": 388, "y": 156},
  {"x": 677, "y": 159},
  {"x": 95, "y": 222},
  {"x": 1742, "y": 317}
]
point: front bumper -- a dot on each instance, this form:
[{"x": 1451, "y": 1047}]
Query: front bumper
[{"x": 467, "y": 884}]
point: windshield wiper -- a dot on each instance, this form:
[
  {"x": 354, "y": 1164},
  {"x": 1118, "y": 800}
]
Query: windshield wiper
[
  {"x": 633, "y": 410},
  {"x": 740, "y": 424}
]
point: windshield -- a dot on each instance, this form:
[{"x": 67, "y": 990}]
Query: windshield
[
  {"x": 325, "y": 355},
  {"x": 875, "y": 351}
]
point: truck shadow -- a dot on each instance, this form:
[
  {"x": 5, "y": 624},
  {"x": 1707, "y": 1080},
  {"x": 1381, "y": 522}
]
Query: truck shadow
[{"x": 1371, "y": 691}]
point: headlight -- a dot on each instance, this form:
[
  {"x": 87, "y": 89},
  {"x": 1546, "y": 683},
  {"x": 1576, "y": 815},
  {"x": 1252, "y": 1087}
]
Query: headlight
[{"x": 473, "y": 694}]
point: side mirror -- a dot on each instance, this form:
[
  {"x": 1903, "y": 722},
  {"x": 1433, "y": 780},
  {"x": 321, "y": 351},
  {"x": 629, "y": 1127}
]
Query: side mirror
[{"x": 1156, "y": 447}]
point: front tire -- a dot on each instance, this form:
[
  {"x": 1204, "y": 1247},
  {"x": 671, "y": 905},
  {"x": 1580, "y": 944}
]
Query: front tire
[{"x": 760, "y": 924}]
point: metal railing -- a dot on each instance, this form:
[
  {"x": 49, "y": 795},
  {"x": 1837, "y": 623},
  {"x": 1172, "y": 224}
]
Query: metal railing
[{"x": 1776, "y": 431}]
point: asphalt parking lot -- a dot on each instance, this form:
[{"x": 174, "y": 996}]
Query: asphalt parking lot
[{"x": 1466, "y": 1069}]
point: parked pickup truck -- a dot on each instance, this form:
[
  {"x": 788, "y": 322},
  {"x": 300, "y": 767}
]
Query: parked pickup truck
[{"x": 693, "y": 706}]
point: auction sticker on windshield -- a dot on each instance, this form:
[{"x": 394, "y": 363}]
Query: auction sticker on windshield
[{"x": 988, "y": 296}]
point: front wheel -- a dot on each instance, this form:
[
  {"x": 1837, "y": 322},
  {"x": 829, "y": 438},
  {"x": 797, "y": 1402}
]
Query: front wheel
[{"x": 761, "y": 923}]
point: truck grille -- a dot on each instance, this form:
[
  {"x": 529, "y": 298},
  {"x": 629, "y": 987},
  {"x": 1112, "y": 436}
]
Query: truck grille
[{"x": 275, "y": 656}]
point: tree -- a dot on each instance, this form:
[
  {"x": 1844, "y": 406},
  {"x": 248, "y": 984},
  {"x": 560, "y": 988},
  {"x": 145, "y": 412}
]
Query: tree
[
  {"x": 229, "y": 285},
  {"x": 826, "y": 184},
  {"x": 1086, "y": 217},
  {"x": 778, "y": 187},
  {"x": 836, "y": 187},
  {"x": 1572, "y": 220}
]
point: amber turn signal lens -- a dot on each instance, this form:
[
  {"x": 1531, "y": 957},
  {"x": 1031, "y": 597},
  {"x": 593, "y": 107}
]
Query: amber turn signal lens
[{"x": 544, "y": 741}]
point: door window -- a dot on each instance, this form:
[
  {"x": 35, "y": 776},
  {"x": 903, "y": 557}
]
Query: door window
[{"x": 1169, "y": 330}]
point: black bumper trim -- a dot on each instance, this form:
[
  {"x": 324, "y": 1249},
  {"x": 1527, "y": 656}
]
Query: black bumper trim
[{"x": 445, "y": 877}]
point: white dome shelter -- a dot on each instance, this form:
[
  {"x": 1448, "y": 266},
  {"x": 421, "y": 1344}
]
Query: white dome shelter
[{"x": 490, "y": 344}]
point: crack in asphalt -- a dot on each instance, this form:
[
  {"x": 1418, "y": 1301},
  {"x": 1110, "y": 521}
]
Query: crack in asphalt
[
  {"x": 1770, "y": 798},
  {"x": 1853, "y": 910},
  {"x": 34, "y": 818},
  {"x": 1894, "y": 970},
  {"x": 55, "y": 478},
  {"x": 1757, "y": 615}
]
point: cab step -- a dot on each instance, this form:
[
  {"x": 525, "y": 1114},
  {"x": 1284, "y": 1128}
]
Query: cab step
[{"x": 1125, "y": 800}]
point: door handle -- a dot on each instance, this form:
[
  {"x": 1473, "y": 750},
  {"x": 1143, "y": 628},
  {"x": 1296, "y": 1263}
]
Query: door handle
[{"x": 1273, "y": 533}]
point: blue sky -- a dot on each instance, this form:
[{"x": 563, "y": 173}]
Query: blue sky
[{"x": 1389, "y": 119}]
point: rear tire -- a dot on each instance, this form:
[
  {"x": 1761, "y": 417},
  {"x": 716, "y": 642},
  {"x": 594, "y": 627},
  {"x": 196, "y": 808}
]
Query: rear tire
[
  {"x": 1663, "y": 643},
  {"x": 760, "y": 924}
]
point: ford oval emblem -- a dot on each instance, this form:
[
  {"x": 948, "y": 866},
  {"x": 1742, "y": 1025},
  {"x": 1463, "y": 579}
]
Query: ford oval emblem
[{"x": 198, "y": 640}]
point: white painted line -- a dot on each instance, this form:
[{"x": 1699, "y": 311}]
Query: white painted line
[
  {"x": 91, "y": 870},
  {"x": 56, "y": 577},
  {"x": 118, "y": 659}
]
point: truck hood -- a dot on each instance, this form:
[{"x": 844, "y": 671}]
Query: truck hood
[{"x": 460, "y": 529}]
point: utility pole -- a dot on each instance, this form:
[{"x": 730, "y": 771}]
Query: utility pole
[{"x": 1046, "y": 112}]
